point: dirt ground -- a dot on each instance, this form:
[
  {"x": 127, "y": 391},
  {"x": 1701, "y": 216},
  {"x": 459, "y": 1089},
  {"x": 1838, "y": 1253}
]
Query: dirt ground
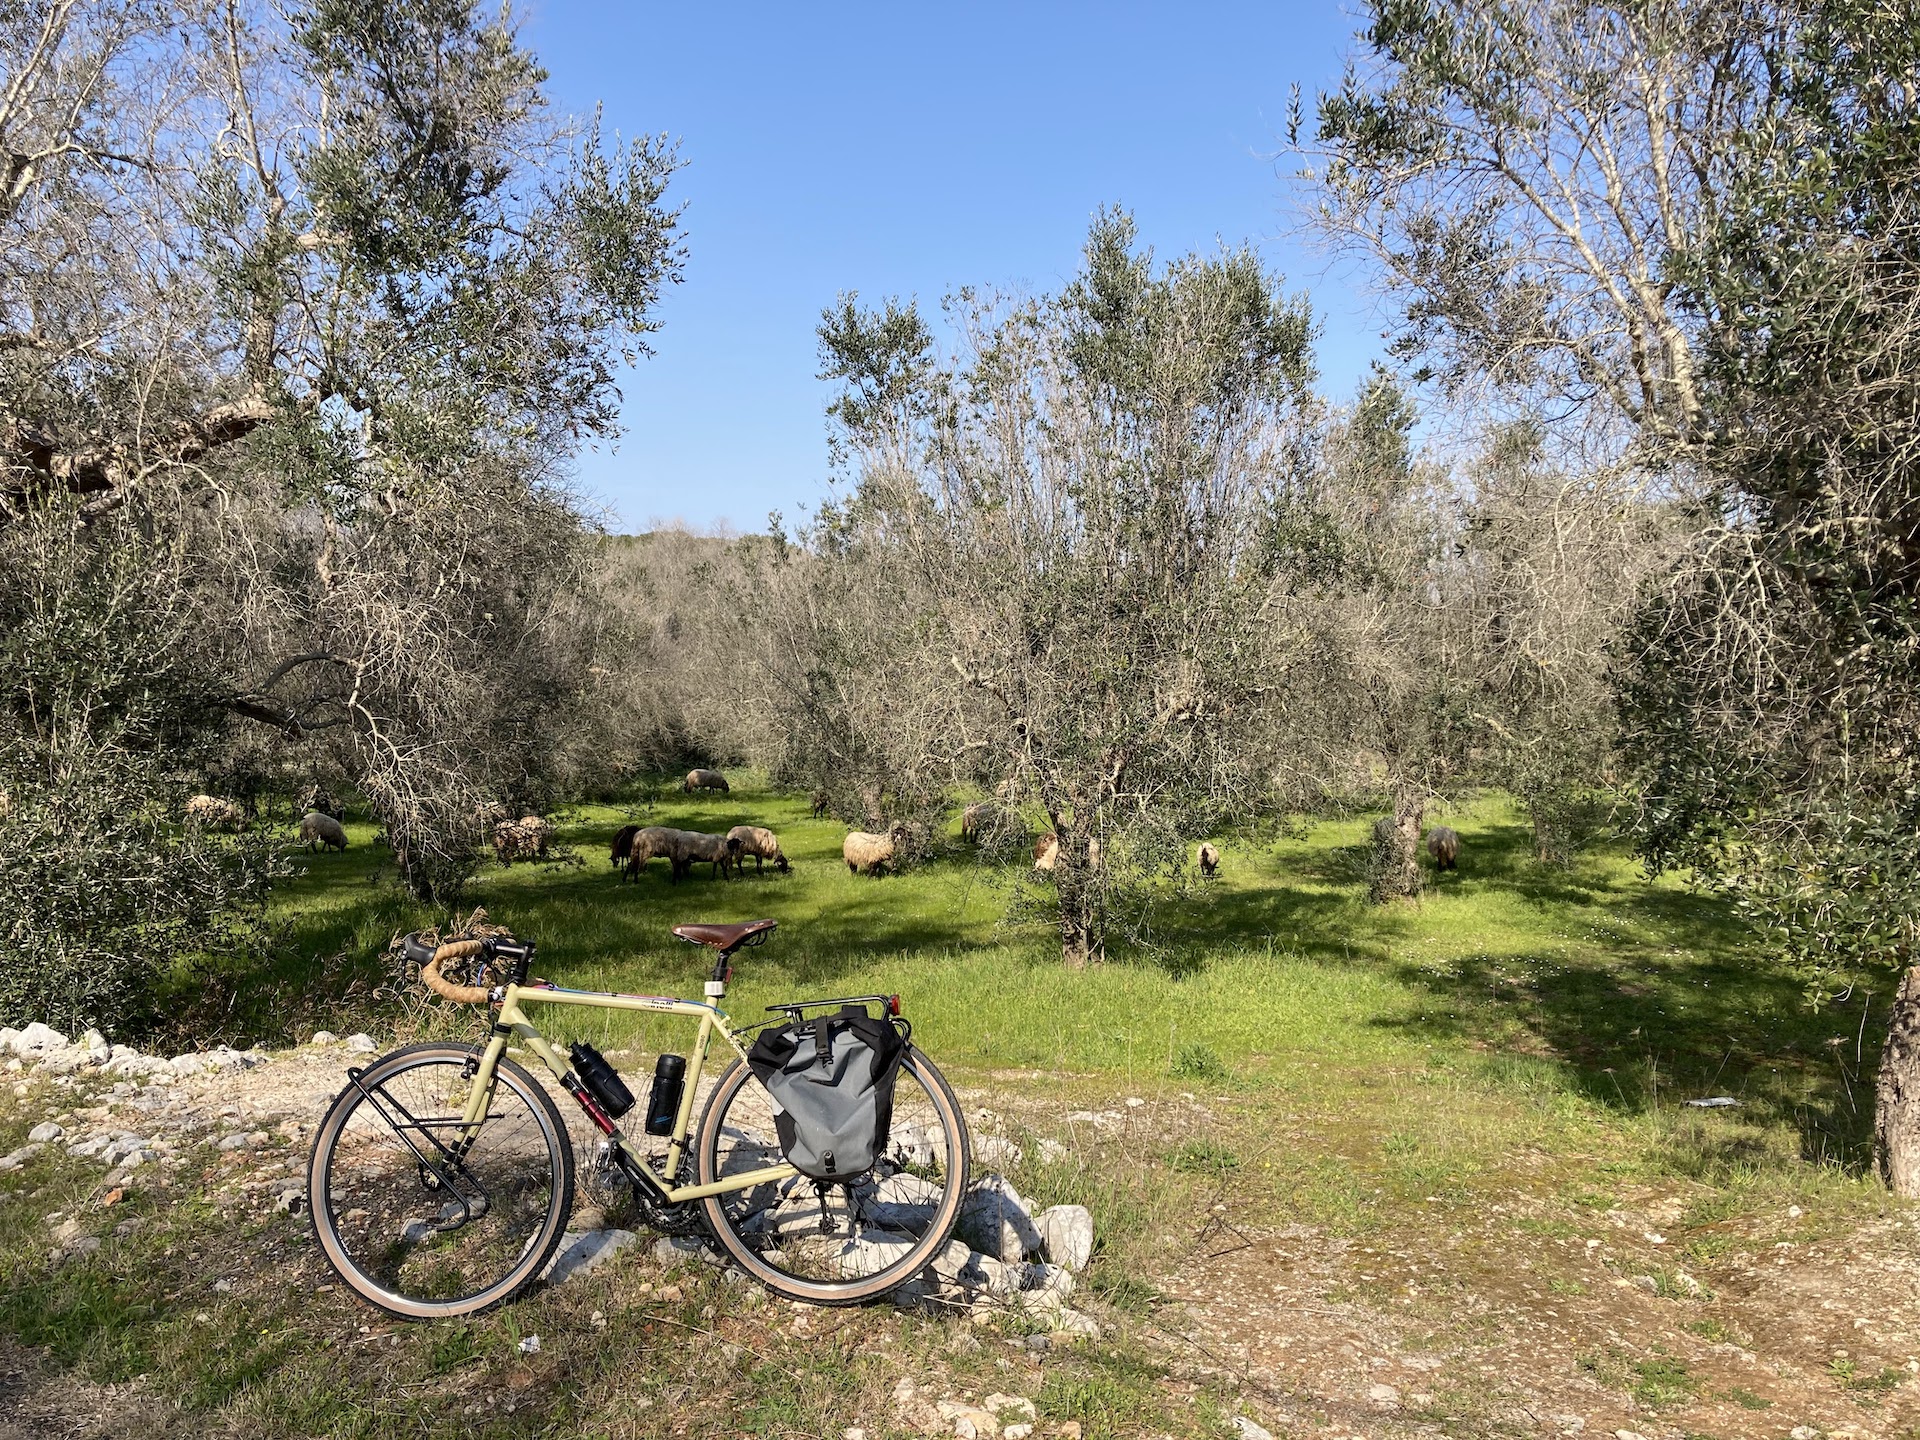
[{"x": 1473, "y": 1321}]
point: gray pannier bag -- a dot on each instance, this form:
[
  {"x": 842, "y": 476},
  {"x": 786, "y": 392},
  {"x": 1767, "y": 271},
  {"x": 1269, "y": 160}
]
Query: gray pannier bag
[{"x": 831, "y": 1079}]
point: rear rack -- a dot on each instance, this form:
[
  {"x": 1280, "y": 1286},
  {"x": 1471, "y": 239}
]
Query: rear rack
[{"x": 889, "y": 1005}]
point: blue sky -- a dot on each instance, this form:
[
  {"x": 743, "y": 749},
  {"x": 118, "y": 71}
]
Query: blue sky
[{"x": 907, "y": 150}]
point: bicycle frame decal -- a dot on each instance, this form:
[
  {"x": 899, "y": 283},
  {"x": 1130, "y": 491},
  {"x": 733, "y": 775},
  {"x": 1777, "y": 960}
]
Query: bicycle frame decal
[{"x": 512, "y": 1021}]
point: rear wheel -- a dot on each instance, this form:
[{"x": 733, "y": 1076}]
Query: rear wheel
[
  {"x": 842, "y": 1242},
  {"x": 420, "y": 1219}
]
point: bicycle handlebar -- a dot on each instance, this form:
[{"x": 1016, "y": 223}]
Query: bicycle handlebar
[{"x": 431, "y": 977}]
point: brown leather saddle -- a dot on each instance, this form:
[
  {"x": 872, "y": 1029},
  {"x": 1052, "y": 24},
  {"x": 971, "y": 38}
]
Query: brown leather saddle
[{"x": 727, "y": 938}]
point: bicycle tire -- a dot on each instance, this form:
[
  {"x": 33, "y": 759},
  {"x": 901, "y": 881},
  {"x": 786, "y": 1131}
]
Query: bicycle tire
[
  {"x": 725, "y": 1225},
  {"x": 538, "y": 1248}
]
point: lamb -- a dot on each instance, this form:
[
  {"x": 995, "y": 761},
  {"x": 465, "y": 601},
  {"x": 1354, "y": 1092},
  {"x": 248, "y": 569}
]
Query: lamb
[
  {"x": 864, "y": 850},
  {"x": 820, "y": 800},
  {"x": 322, "y": 830},
  {"x": 705, "y": 780},
  {"x": 522, "y": 839},
  {"x": 1444, "y": 845},
  {"x": 210, "y": 812},
  {"x": 686, "y": 848},
  {"x": 762, "y": 845},
  {"x": 1209, "y": 857},
  {"x": 644, "y": 845}
]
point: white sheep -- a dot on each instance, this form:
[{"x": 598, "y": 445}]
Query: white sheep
[
  {"x": 762, "y": 845},
  {"x": 210, "y": 812},
  {"x": 863, "y": 850},
  {"x": 706, "y": 780},
  {"x": 322, "y": 830}
]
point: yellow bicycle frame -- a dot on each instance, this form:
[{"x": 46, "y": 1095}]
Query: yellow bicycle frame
[{"x": 511, "y": 1021}]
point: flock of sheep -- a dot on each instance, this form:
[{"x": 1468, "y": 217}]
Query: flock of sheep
[{"x": 528, "y": 838}]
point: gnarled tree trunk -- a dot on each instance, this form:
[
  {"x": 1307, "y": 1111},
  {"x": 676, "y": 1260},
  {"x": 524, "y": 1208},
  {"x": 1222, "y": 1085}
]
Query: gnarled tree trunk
[
  {"x": 1083, "y": 929},
  {"x": 1896, "y": 1118},
  {"x": 1394, "y": 866}
]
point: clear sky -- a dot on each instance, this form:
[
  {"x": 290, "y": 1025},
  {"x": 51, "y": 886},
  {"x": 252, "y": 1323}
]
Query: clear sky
[{"x": 907, "y": 150}]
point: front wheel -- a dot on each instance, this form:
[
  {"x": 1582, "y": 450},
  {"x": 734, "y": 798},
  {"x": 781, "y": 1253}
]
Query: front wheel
[
  {"x": 423, "y": 1215},
  {"x": 841, "y": 1242}
]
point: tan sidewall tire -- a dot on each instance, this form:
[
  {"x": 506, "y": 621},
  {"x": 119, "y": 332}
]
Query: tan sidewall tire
[
  {"x": 882, "y": 1282},
  {"x": 522, "y": 1274}
]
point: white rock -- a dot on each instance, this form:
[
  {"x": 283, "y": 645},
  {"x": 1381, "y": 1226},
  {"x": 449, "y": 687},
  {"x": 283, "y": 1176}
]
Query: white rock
[
  {"x": 46, "y": 1130},
  {"x": 15, "y": 1159},
  {"x": 1066, "y": 1235},
  {"x": 361, "y": 1044},
  {"x": 1055, "y": 1278},
  {"x": 853, "y": 1432},
  {"x": 1052, "y": 1152},
  {"x": 995, "y": 1220},
  {"x": 324, "y": 1037},
  {"x": 530, "y": 1345},
  {"x": 1384, "y": 1396},
  {"x": 97, "y": 1045},
  {"x": 671, "y": 1249},
  {"x": 1134, "y": 1102},
  {"x": 1249, "y": 1430},
  {"x": 584, "y": 1251},
  {"x": 1074, "y": 1322},
  {"x": 1020, "y": 1431},
  {"x": 9, "y": 1037},
  {"x": 38, "y": 1039},
  {"x": 186, "y": 1064},
  {"x": 1000, "y": 1403},
  {"x": 998, "y": 1152}
]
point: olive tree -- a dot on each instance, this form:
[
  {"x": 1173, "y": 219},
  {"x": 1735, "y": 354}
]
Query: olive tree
[{"x": 1076, "y": 513}]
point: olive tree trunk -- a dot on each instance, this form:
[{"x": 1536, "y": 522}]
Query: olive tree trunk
[
  {"x": 1083, "y": 918},
  {"x": 1394, "y": 866},
  {"x": 1896, "y": 1119}
]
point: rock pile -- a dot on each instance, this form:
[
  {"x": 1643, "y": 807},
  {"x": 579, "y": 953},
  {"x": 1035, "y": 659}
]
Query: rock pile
[{"x": 43, "y": 1048}]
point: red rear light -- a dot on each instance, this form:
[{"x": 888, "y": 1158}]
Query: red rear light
[{"x": 893, "y": 1004}]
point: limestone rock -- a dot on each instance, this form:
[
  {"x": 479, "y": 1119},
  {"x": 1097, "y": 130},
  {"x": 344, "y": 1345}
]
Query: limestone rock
[
  {"x": 46, "y": 1130},
  {"x": 995, "y": 1221},
  {"x": 361, "y": 1044},
  {"x": 582, "y": 1251},
  {"x": 1066, "y": 1235}
]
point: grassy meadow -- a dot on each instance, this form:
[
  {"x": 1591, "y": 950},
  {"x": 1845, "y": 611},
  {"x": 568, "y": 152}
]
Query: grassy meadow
[{"x": 1444, "y": 1144}]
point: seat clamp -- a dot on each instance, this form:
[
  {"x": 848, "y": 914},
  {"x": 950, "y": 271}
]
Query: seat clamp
[{"x": 716, "y": 989}]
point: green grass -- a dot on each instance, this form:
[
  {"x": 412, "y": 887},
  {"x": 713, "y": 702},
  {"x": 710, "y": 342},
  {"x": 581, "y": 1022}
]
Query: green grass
[{"x": 1486, "y": 1074}]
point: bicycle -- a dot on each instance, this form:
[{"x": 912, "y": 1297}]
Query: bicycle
[{"x": 443, "y": 1175}]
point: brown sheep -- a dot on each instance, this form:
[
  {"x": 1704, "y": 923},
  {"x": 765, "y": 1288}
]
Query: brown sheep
[
  {"x": 322, "y": 830},
  {"x": 1209, "y": 857},
  {"x": 644, "y": 846},
  {"x": 686, "y": 848},
  {"x": 1444, "y": 845},
  {"x": 763, "y": 845},
  {"x": 820, "y": 800},
  {"x": 706, "y": 780},
  {"x": 622, "y": 843},
  {"x": 210, "y": 812},
  {"x": 1046, "y": 852}
]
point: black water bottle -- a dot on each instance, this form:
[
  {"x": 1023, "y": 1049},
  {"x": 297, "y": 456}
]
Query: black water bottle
[{"x": 663, "y": 1105}]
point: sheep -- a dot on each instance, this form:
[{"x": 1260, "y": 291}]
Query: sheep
[
  {"x": 644, "y": 846},
  {"x": 705, "y": 780},
  {"x": 622, "y": 842},
  {"x": 322, "y": 830},
  {"x": 977, "y": 820},
  {"x": 686, "y": 848},
  {"x": 864, "y": 850},
  {"x": 820, "y": 800},
  {"x": 762, "y": 845},
  {"x": 210, "y": 812},
  {"x": 1444, "y": 845},
  {"x": 522, "y": 839},
  {"x": 1209, "y": 857},
  {"x": 1046, "y": 852}
]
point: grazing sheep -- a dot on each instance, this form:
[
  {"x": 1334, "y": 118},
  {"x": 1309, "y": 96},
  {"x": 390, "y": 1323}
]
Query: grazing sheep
[
  {"x": 762, "y": 845},
  {"x": 1444, "y": 845},
  {"x": 210, "y": 812},
  {"x": 644, "y": 846},
  {"x": 864, "y": 850},
  {"x": 820, "y": 802},
  {"x": 686, "y": 848},
  {"x": 705, "y": 780},
  {"x": 622, "y": 842},
  {"x": 522, "y": 839},
  {"x": 978, "y": 820},
  {"x": 1209, "y": 857},
  {"x": 1046, "y": 852},
  {"x": 322, "y": 830}
]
